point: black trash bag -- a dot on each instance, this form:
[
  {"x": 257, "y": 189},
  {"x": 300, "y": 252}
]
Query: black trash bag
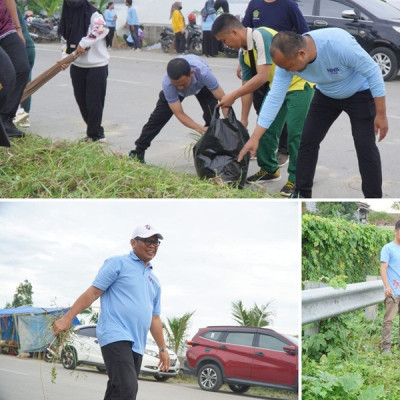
[{"x": 216, "y": 153}]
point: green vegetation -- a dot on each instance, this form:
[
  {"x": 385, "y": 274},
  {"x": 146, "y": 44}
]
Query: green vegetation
[
  {"x": 343, "y": 361},
  {"x": 176, "y": 332},
  {"x": 255, "y": 316},
  {"x": 22, "y": 296},
  {"x": 334, "y": 247},
  {"x": 35, "y": 167}
]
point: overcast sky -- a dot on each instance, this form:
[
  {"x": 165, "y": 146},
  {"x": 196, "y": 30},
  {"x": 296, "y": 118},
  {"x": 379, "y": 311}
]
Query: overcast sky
[{"x": 214, "y": 252}]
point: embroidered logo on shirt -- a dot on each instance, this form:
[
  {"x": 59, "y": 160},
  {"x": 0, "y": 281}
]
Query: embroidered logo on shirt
[
  {"x": 256, "y": 14},
  {"x": 396, "y": 284},
  {"x": 334, "y": 71}
]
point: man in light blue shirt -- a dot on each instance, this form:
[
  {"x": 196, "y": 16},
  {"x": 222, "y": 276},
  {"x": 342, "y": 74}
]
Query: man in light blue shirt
[
  {"x": 130, "y": 306},
  {"x": 390, "y": 274},
  {"x": 347, "y": 79},
  {"x": 186, "y": 76},
  {"x": 132, "y": 22}
]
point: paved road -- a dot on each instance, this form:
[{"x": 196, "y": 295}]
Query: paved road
[
  {"x": 133, "y": 86},
  {"x": 31, "y": 379}
]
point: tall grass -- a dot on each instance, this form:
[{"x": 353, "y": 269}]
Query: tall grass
[{"x": 35, "y": 167}]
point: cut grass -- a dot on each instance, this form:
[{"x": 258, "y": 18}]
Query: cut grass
[{"x": 36, "y": 167}]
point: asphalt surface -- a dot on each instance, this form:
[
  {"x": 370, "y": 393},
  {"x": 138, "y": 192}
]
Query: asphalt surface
[{"x": 133, "y": 86}]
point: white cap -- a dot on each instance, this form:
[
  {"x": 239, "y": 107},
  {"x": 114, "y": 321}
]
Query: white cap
[{"x": 145, "y": 231}]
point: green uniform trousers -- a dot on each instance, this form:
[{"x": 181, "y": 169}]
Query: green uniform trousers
[{"x": 293, "y": 111}]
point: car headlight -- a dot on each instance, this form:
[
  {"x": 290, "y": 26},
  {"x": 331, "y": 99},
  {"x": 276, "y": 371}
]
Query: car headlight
[
  {"x": 151, "y": 353},
  {"x": 396, "y": 28}
]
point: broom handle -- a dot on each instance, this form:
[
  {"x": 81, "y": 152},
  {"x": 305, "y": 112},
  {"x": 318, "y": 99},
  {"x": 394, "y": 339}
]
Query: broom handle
[{"x": 45, "y": 76}]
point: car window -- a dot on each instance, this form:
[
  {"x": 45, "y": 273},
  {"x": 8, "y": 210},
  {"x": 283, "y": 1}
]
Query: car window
[
  {"x": 271, "y": 343},
  {"x": 305, "y": 6},
  {"x": 212, "y": 335},
  {"x": 241, "y": 338},
  {"x": 380, "y": 9},
  {"x": 332, "y": 9},
  {"x": 90, "y": 331}
]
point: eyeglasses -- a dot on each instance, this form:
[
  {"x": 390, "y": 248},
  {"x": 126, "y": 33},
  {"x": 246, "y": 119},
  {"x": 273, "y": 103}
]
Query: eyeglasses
[{"x": 149, "y": 242}]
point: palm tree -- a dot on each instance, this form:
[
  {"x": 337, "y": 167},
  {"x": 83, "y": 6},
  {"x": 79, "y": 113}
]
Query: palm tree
[
  {"x": 255, "y": 316},
  {"x": 176, "y": 331}
]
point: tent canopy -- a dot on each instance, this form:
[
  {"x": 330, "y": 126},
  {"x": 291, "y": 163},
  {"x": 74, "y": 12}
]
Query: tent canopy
[{"x": 30, "y": 327}]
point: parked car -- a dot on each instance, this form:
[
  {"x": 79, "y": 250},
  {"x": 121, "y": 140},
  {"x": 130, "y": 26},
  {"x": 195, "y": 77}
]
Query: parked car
[
  {"x": 83, "y": 349},
  {"x": 242, "y": 357},
  {"x": 375, "y": 25}
]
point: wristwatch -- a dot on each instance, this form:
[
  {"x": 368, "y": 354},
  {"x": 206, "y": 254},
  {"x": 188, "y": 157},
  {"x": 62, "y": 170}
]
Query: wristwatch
[{"x": 162, "y": 349}]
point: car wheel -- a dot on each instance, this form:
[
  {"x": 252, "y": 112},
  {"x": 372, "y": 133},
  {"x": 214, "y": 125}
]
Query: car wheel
[
  {"x": 387, "y": 62},
  {"x": 239, "y": 388},
  {"x": 68, "y": 358},
  {"x": 209, "y": 377},
  {"x": 47, "y": 356},
  {"x": 161, "y": 378}
]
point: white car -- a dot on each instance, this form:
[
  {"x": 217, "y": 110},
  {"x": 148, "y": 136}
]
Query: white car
[{"x": 83, "y": 348}]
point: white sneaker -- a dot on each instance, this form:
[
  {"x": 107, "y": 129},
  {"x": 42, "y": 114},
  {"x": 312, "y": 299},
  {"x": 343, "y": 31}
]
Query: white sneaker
[
  {"x": 20, "y": 117},
  {"x": 25, "y": 124}
]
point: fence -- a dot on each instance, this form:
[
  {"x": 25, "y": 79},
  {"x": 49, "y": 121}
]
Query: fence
[{"x": 326, "y": 302}]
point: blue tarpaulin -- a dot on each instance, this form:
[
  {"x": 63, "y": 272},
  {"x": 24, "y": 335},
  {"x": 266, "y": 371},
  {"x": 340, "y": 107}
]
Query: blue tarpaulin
[{"x": 30, "y": 327}]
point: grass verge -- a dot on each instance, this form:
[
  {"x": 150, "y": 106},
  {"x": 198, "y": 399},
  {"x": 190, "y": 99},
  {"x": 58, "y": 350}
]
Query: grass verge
[{"x": 36, "y": 167}]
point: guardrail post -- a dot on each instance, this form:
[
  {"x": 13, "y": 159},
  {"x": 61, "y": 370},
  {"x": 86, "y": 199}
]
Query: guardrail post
[
  {"x": 313, "y": 328},
  {"x": 371, "y": 312}
]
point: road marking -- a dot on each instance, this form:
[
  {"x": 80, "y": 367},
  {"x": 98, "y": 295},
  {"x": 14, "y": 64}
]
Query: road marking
[{"x": 13, "y": 372}]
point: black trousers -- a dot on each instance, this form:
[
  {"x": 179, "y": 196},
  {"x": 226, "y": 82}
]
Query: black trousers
[
  {"x": 323, "y": 112},
  {"x": 14, "y": 72},
  {"x": 90, "y": 85},
  {"x": 162, "y": 114},
  {"x": 180, "y": 42},
  {"x": 110, "y": 36},
  {"x": 210, "y": 44},
  {"x": 123, "y": 368}
]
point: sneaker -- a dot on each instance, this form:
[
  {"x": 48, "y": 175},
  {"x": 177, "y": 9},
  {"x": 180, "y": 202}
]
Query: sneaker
[
  {"x": 21, "y": 117},
  {"x": 282, "y": 159},
  {"x": 288, "y": 189},
  {"x": 25, "y": 124},
  {"x": 88, "y": 139},
  {"x": 137, "y": 155},
  {"x": 386, "y": 351},
  {"x": 264, "y": 176},
  {"x": 11, "y": 129}
]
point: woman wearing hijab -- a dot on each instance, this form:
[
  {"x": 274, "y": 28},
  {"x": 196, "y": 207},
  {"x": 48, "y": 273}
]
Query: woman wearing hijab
[
  {"x": 111, "y": 17},
  {"x": 85, "y": 31},
  {"x": 178, "y": 26},
  {"x": 210, "y": 43}
]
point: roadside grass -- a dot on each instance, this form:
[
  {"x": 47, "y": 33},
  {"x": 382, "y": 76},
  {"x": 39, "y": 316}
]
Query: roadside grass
[
  {"x": 254, "y": 391},
  {"x": 35, "y": 167}
]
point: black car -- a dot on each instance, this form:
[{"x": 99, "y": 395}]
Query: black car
[{"x": 374, "y": 23}]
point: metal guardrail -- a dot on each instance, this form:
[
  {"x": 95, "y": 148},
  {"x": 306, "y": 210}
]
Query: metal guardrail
[{"x": 318, "y": 304}]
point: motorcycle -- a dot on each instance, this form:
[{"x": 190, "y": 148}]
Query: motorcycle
[
  {"x": 41, "y": 28},
  {"x": 166, "y": 38},
  {"x": 194, "y": 42}
]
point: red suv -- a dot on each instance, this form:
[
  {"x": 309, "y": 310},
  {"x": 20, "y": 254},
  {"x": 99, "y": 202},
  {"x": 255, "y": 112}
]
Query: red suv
[{"x": 242, "y": 357}]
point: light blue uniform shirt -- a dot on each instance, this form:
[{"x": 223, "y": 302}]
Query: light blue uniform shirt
[
  {"x": 341, "y": 69},
  {"x": 390, "y": 254},
  {"x": 109, "y": 18},
  {"x": 203, "y": 76},
  {"x": 208, "y": 23},
  {"x": 132, "y": 18},
  {"x": 131, "y": 297}
]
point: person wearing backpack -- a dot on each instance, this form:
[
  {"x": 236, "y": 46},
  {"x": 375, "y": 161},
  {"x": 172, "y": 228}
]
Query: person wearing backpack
[{"x": 210, "y": 44}]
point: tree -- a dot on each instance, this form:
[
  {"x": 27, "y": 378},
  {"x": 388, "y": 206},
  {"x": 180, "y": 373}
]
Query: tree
[
  {"x": 22, "y": 296},
  {"x": 255, "y": 316},
  {"x": 337, "y": 209},
  {"x": 380, "y": 216},
  {"x": 176, "y": 330}
]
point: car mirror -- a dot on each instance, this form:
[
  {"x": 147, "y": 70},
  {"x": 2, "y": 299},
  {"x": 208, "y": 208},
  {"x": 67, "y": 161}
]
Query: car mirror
[
  {"x": 349, "y": 14},
  {"x": 290, "y": 349}
]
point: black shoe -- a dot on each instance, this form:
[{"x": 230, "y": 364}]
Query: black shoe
[
  {"x": 263, "y": 176},
  {"x": 11, "y": 130},
  {"x": 137, "y": 155}
]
